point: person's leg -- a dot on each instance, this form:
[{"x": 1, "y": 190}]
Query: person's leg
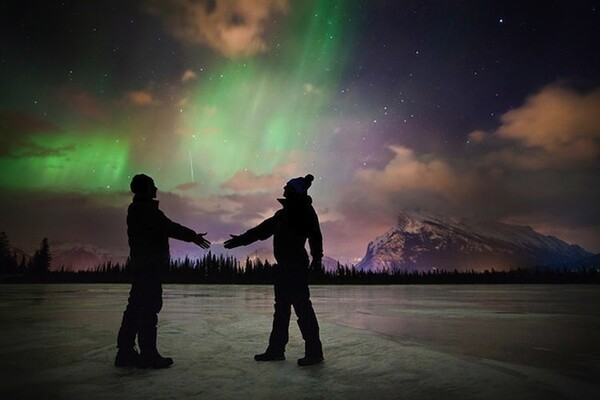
[
  {"x": 147, "y": 335},
  {"x": 149, "y": 355},
  {"x": 307, "y": 322},
  {"x": 127, "y": 355},
  {"x": 281, "y": 320}
]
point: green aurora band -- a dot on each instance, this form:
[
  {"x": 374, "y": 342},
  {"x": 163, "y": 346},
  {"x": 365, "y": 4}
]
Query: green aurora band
[
  {"x": 252, "y": 116},
  {"x": 247, "y": 114},
  {"x": 67, "y": 161}
]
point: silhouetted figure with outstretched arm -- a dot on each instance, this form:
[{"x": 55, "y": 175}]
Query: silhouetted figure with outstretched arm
[
  {"x": 290, "y": 227},
  {"x": 148, "y": 230}
]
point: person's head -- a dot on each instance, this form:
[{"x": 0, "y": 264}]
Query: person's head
[
  {"x": 298, "y": 187},
  {"x": 143, "y": 186}
]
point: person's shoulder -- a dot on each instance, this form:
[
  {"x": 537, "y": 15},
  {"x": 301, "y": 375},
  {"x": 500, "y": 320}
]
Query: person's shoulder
[
  {"x": 145, "y": 206},
  {"x": 134, "y": 206}
]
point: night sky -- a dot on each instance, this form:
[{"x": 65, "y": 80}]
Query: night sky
[{"x": 480, "y": 109}]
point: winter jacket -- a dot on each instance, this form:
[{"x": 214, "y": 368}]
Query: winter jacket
[
  {"x": 149, "y": 230},
  {"x": 290, "y": 227}
]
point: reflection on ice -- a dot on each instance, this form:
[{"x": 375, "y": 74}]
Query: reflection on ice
[{"x": 414, "y": 342}]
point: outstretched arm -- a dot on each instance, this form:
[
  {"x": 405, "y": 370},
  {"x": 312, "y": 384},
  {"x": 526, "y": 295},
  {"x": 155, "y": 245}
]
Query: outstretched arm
[
  {"x": 261, "y": 232},
  {"x": 180, "y": 232},
  {"x": 235, "y": 241},
  {"x": 200, "y": 241}
]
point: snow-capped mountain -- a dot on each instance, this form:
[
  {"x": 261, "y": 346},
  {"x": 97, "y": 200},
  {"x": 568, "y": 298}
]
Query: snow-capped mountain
[
  {"x": 330, "y": 264},
  {"x": 77, "y": 257},
  {"x": 423, "y": 242}
]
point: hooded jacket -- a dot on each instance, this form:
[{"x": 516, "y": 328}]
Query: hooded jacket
[
  {"x": 290, "y": 227},
  {"x": 149, "y": 230}
]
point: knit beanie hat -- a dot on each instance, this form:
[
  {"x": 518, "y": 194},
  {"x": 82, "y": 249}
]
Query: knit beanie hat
[
  {"x": 140, "y": 183},
  {"x": 300, "y": 185}
]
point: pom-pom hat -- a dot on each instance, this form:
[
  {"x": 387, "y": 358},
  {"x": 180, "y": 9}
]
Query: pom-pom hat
[{"x": 300, "y": 185}]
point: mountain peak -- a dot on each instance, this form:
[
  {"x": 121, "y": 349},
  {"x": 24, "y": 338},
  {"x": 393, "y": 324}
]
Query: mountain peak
[{"x": 423, "y": 241}]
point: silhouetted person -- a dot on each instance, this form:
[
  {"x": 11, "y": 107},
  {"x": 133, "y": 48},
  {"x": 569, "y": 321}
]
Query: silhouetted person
[
  {"x": 290, "y": 227},
  {"x": 148, "y": 230}
]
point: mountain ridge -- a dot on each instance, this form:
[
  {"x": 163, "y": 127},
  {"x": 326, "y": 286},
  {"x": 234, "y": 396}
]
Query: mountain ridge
[{"x": 423, "y": 241}]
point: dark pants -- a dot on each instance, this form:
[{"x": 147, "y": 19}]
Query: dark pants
[
  {"x": 291, "y": 289},
  {"x": 141, "y": 315}
]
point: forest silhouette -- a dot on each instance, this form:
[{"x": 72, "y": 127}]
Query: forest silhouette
[{"x": 219, "y": 269}]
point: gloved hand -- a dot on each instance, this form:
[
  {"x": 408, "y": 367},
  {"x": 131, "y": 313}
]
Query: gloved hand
[
  {"x": 316, "y": 264},
  {"x": 200, "y": 241},
  {"x": 235, "y": 241}
]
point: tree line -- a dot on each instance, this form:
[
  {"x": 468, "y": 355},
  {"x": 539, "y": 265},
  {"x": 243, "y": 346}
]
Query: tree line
[
  {"x": 220, "y": 269},
  {"x": 12, "y": 264}
]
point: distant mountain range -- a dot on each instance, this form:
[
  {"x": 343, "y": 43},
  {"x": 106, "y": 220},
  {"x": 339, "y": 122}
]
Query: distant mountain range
[
  {"x": 420, "y": 241},
  {"x": 424, "y": 242},
  {"x": 78, "y": 257}
]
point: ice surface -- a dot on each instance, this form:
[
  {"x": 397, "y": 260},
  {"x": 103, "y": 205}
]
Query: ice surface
[{"x": 382, "y": 342}]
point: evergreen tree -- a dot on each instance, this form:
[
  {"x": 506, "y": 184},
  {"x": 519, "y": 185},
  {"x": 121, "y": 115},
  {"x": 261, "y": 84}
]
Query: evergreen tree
[
  {"x": 8, "y": 263},
  {"x": 22, "y": 266},
  {"x": 40, "y": 263}
]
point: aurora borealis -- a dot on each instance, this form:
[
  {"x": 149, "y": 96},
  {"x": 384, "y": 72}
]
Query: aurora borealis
[{"x": 468, "y": 109}]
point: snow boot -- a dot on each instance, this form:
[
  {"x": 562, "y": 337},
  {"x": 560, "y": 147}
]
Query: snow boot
[
  {"x": 149, "y": 357},
  {"x": 126, "y": 358},
  {"x": 306, "y": 361},
  {"x": 154, "y": 361},
  {"x": 268, "y": 356},
  {"x": 313, "y": 349}
]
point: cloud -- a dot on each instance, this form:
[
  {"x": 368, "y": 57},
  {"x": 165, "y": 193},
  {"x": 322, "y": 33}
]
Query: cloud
[
  {"x": 478, "y": 136},
  {"x": 368, "y": 206},
  {"x": 141, "y": 98},
  {"x": 235, "y": 28},
  {"x": 16, "y": 124},
  {"x": 29, "y": 149},
  {"x": 82, "y": 103},
  {"x": 556, "y": 128},
  {"x": 406, "y": 171},
  {"x": 555, "y": 193},
  {"x": 18, "y": 132},
  {"x": 539, "y": 168},
  {"x": 188, "y": 75},
  {"x": 246, "y": 181},
  {"x": 184, "y": 187}
]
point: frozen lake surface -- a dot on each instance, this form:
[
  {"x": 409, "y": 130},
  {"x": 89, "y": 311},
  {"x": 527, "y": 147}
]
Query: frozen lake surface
[{"x": 380, "y": 342}]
